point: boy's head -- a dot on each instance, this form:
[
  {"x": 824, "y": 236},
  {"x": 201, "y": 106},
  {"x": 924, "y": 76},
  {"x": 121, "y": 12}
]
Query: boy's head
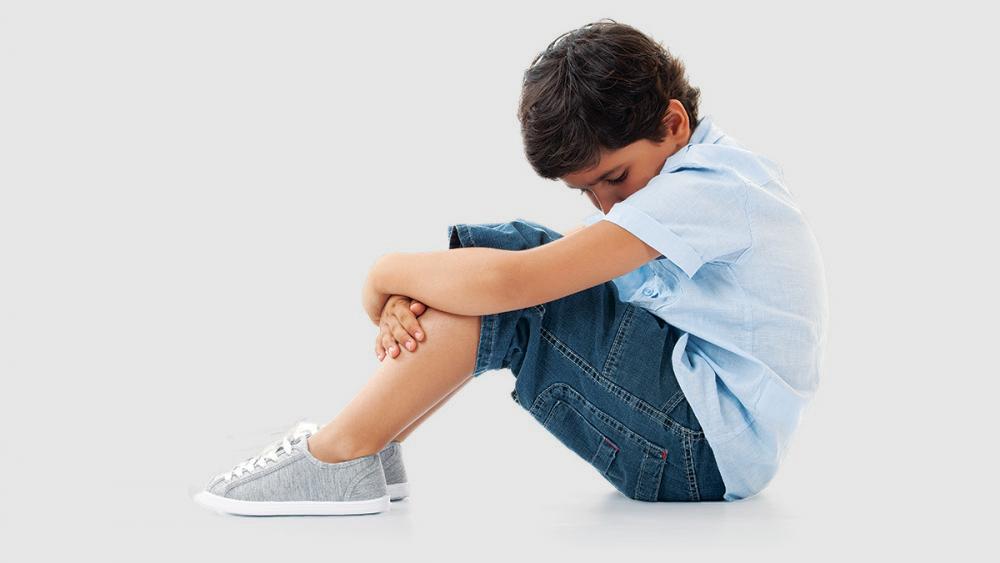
[{"x": 602, "y": 108}]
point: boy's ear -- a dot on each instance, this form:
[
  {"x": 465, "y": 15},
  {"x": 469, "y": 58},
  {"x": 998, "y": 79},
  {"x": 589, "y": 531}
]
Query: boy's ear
[
  {"x": 674, "y": 116},
  {"x": 669, "y": 119}
]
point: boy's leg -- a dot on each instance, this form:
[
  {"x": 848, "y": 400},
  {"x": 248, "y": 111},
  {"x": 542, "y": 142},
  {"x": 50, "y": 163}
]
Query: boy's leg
[
  {"x": 413, "y": 425},
  {"x": 597, "y": 372},
  {"x": 407, "y": 389},
  {"x": 402, "y": 389}
]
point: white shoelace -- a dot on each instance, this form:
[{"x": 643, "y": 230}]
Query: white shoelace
[{"x": 272, "y": 452}]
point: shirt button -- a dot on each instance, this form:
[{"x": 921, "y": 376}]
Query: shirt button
[{"x": 648, "y": 292}]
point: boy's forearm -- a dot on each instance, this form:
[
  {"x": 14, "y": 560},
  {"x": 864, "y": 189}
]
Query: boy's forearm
[{"x": 464, "y": 281}]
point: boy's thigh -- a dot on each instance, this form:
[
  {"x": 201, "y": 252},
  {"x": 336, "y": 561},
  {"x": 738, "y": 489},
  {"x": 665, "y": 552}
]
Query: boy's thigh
[
  {"x": 613, "y": 346},
  {"x": 596, "y": 372}
]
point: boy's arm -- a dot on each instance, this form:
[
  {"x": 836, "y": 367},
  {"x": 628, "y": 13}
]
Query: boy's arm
[{"x": 480, "y": 281}]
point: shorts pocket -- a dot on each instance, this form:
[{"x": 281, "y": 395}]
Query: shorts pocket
[
  {"x": 573, "y": 430},
  {"x": 631, "y": 464}
]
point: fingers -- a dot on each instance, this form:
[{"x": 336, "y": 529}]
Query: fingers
[
  {"x": 417, "y": 308},
  {"x": 399, "y": 327},
  {"x": 385, "y": 342},
  {"x": 400, "y": 335},
  {"x": 404, "y": 326},
  {"x": 410, "y": 325},
  {"x": 391, "y": 333}
]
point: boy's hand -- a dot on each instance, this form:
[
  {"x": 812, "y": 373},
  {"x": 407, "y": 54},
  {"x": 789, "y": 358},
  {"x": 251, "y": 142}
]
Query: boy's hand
[{"x": 398, "y": 324}]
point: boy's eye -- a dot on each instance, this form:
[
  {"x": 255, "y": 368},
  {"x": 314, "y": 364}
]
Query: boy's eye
[{"x": 619, "y": 179}]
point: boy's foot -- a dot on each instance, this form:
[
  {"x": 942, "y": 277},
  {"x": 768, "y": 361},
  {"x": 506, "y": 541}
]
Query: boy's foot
[
  {"x": 285, "y": 479},
  {"x": 392, "y": 464},
  {"x": 395, "y": 473}
]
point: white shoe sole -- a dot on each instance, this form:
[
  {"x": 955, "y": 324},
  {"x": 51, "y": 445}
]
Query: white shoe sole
[
  {"x": 399, "y": 490},
  {"x": 291, "y": 508}
]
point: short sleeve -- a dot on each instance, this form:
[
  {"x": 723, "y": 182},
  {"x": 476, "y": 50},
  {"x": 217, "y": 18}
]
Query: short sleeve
[{"x": 692, "y": 215}]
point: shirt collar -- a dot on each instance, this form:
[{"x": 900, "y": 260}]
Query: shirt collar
[{"x": 706, "y": 132}]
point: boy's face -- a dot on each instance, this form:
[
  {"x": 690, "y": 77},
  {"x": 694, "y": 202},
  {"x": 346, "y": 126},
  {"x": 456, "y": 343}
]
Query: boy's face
[{"x": 624, "y": 171}]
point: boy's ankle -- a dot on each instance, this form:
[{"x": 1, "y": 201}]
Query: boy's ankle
[{"x": 335, "y": 451}]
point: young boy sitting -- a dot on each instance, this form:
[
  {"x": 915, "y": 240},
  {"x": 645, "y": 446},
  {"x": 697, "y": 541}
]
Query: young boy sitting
[{"x": 671, "y": 342}]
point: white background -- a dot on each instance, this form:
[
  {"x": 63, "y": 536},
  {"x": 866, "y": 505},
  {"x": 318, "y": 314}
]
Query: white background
[{"x": 192, "y": 193}]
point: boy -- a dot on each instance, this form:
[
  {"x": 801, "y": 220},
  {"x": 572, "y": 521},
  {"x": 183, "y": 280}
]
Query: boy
[{"x": 671, "y": 342}]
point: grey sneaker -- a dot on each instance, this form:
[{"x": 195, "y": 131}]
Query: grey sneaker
[
  {"x": 395, "y": 473},
  {"x": 285, "y": 479},
  {"x": 392, "y": 464}
]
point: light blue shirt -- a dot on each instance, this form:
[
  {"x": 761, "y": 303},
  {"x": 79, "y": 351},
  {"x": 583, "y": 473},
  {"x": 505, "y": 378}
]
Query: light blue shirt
[{"x": 742, "y": 279}]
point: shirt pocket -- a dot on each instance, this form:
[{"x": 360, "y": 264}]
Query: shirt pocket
[{"x": 660, "y": 288}]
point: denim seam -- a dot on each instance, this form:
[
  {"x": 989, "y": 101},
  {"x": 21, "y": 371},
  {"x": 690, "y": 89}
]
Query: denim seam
[
  {"x": 639, "y": 478},
  {"x": 618, "y": 343},
  {"x": 593, "y": 458},
  {"x": 468, "y": 234},
  {"x": 689, "y": 470},
  {"x": 648, "y": 448},
  {"x": 668, "y": 408},
  {"x": 630, "y": 399},
  {"x": 568, "y": 390},
  {"x": 487, "y": 343},
  {"x": 548, "y": 416},
  {"x": 673, "y": 401},
  {"x": 643, "y": 476}
]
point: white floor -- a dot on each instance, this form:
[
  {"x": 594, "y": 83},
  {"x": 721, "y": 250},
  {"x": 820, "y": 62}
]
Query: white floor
[
  {"x": 511, "y": 493},
  {"x": 446, "y": 519}
]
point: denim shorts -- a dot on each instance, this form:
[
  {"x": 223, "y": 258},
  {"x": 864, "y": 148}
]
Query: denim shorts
[{"x": 596, "y": 372}]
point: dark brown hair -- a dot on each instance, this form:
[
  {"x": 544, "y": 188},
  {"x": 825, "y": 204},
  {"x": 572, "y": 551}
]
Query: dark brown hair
[{"x": 604, "y": 85}]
